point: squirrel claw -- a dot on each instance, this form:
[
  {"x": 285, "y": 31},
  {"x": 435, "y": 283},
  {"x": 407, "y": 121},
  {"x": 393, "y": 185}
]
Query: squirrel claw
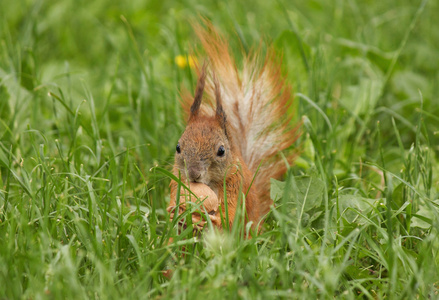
[{"x": 199, "y": 221}]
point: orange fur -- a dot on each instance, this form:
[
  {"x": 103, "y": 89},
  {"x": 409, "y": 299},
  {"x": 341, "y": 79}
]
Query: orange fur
[{"x": 255, "y": 101}]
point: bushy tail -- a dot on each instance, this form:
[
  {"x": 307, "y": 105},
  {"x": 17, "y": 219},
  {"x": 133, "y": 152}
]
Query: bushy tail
[{"x": 257, "y": 101}]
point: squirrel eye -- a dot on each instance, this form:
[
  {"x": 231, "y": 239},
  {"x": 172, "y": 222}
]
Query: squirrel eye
[
  {"x": 221, "y": 151},
  {"x": 178, "y": 148}
]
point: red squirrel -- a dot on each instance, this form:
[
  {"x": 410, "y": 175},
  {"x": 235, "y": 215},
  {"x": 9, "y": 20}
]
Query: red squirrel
[{"x": 235, "y": 134}]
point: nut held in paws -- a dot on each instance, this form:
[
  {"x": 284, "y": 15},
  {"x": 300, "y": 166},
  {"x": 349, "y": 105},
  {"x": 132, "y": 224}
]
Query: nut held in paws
[{"x": 202, "y": 191}]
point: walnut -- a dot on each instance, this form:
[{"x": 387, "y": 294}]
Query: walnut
[{"x": 203, "y": 192}]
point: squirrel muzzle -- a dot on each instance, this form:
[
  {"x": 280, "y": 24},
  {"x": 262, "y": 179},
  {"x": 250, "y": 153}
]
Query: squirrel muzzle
[{"x": 195, "y": 173}]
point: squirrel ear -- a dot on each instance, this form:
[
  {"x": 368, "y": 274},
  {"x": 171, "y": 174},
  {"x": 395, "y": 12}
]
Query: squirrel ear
[
  {"x": 199, "y": 91},
  {"x": 220, "y": 113}
]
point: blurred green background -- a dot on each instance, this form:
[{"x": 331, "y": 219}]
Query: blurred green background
[{"x": 89, "y": 105}]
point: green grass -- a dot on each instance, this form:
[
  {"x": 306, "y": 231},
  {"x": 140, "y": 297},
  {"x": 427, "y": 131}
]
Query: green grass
[{"x": 89, "y": 94}]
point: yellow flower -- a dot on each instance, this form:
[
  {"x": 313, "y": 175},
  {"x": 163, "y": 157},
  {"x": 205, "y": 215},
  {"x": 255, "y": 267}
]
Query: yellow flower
[{"x": 183, "y": 61}]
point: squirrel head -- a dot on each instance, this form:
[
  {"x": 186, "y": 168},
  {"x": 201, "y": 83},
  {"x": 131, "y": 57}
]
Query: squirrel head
[{"x": 204, "y": 151}]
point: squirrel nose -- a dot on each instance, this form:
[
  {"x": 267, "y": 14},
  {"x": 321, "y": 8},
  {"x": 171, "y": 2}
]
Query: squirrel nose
[{"x": 194, "y": 174}]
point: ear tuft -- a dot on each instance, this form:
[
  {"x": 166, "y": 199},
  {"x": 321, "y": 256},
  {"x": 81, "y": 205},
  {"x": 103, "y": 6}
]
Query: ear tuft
[
  {"x": 220, "y": 113},
  {"x": 199, "y": 91}
]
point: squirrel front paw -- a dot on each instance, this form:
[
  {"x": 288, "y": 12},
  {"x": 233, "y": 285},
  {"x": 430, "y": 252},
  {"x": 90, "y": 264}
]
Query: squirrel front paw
[{"x": 199, "y": 219}]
